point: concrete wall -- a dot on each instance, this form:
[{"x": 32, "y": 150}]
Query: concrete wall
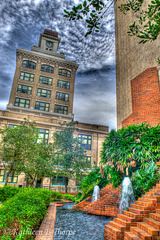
[{"x": 132, "y": 59}]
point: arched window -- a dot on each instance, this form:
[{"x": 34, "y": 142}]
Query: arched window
[
  {"x": 64, "y": 72},
  {"x": 47, "y": 68},
  {"x": 29, "y": 64}
]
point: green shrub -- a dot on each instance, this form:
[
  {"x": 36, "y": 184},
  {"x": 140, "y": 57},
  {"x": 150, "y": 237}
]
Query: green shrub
[
  {"x": 93, "y": 178},
  {"x": 69, "y": 197},
  {"x": 144, "y": 178},
  {"x": 116, "y": 177},
  {"x": 7, "y": 192},
  {"x": 25, "y": 211}
]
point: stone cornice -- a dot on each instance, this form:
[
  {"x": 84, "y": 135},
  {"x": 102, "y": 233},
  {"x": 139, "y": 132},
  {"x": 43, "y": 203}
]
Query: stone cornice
[
  {"x": 38, "y": 111},
  {"x": 40, "y": 57},
  {"x": 46, "y": 123}
]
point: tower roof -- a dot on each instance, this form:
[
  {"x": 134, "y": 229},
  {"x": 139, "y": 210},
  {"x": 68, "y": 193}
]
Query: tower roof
[{"x": 50, "y": 32}]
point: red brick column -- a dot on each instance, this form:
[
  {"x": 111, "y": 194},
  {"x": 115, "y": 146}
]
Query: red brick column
[{"x": 145, "y": 92}]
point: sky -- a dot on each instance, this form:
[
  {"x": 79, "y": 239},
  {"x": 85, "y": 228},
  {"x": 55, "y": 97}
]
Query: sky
[{"x": 22, "y": 21}]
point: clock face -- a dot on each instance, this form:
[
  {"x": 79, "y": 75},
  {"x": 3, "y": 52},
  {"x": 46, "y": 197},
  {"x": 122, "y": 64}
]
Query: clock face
[{"x": 49, "y": 44}]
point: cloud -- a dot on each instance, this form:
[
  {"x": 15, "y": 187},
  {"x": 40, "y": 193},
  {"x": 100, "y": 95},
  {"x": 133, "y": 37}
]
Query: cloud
[{"x": 20, "y": 25}]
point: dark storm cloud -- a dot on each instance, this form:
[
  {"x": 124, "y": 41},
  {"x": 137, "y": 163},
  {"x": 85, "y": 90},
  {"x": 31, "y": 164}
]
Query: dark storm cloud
[{"x": 22, "y": 21}]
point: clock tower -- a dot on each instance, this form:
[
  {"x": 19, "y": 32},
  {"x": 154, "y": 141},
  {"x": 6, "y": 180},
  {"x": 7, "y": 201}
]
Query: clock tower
[{"x": 48, "y": 42}]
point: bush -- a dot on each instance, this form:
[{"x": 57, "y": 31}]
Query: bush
[
  {"x": 93, "y": 178},
  {"x": 7, "y": 192},
  {"x": 24, "y": 212},
  {"x": 145, "y": 178}
]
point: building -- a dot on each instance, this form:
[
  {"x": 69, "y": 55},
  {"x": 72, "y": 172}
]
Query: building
[
  {"x": 43, "y": 91},
  {"x": 137, "y": 73}
]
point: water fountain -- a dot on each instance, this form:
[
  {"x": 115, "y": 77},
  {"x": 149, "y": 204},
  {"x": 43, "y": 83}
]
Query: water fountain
[
  {"x": 127, "y": 195},
  {"x": 95, "y": 195}
]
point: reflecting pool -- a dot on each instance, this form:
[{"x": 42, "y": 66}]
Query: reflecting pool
[{"x": 74, "y": 225}]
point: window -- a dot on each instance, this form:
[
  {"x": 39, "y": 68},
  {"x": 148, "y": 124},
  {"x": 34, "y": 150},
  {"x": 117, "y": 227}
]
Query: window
[
  {"x": 2, "y": 175},
  {"x": 62, "y": 96},
  {"x": 47, "y": 68},
  {"x": 88, "y": 158},
  {"x": 43, "y": 135},
  {"x": 11, "y": 125},
  {"x": 63, "y": 84},
  {"x": 29, "y": 64},
  {"x": 13, "y": 177},
  {"x": 59, "y": 181},
  {"x": 43, "y": 106},
  {"x": 45, "y": 80},
  {"x": 24, "y": 89},
  {"x": 22, "y": 102},
  {"x": 77, "y": 183},
  {"x": 27, "y": 76},
  {"x": 61, "y": 109},
  {"x": 43, "y": 93},
  {"x": 58, "y": 158},
  {"x": 64, "y": 72},
  {"x": 86, "y": 141}
]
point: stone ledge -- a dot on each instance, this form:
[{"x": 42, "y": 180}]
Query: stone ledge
[{"x": 46, "y": 230}]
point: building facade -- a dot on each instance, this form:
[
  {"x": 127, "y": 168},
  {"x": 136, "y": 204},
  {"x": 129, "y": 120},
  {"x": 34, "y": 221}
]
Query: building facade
[
  {"x": 43, "y": 92},
  {"x": 132, "y": 62}
]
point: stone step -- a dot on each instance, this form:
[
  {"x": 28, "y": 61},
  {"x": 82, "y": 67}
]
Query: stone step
[
  {"x": 155, "y": 216},
  {"x": 113, "y": 230},
  {"x": 141, "y": 233},
  {"x": 133, "y": 215},
  {"x": 152, "y": 194},
  {"x": 138, "y": 211},
  {"x": 158, "y": 211},
  {"x": 154, "y": 190},
  {"x": 127, "y": 218},
  {"x": 146, "y": 203},
  {"x": 152, "y": 222},
  {"x": 148, "y": 228},
  {"x": 131, "y": 236},
  {"x": 149, "y": 199},
  {"x": 137, "y": 206},
  {"x": 118, "y": 226},
  {"x": 123, "y": 222},
  {"x": 111, "y": 236}
]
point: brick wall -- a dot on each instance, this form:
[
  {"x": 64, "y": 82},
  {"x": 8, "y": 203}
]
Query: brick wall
[
  {"x": 145, "y": 92},
  {"x": 107, "y": 205}
]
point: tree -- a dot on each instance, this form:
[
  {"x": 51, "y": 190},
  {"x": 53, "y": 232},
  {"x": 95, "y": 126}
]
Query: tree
[
  {"x": 70, "y": 158},
  {"x": 41, "y": 164},
  {"x": 131, "y": 146},
  {"x": 18, "y": 146},
  {"x": 21, "y": 152},
  {"x": 147, "y": 28}
]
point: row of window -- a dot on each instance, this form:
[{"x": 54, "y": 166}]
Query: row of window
[
  {"x": 44, "y": 80},
  {"x": 86, "y": 140},
  {"x": 46, "y": 68},
  {"x": 43, "y": 135},
  {"x": 42, "y": 106},
  {"x": 13, "y": 177},
  {"x": 41, "y": 92},
  {"x": 60, "y": 163}
]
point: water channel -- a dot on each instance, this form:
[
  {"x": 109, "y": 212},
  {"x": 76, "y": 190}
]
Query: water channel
[{"x": 74, "y": 225}]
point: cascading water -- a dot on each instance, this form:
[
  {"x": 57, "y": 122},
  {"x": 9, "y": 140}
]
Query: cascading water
[
  {"x": 127, "y": 195},
  {"x": 95, "y": 195}
]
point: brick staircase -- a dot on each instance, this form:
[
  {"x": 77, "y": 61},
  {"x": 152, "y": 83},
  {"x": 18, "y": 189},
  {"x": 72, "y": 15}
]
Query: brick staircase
[
  {"x": 140, "y": 222},
  {"x": 107, "y": 205},
  {"x": 87, "y": 201},
  {"x": 83, "y": 204}
]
